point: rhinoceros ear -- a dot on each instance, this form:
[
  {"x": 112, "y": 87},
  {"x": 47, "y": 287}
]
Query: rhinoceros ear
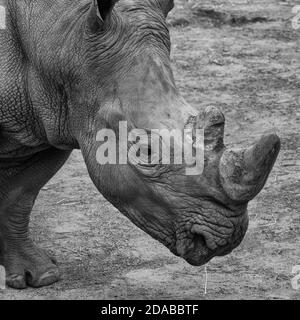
[
  {"x": 105, "y": 8},
  {"x": 166, "y": 5},
  {"x": 99, "y": 14}
]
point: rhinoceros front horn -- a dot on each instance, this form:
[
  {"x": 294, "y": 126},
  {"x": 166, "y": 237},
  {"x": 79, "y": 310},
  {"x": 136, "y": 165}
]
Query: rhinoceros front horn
[{"x": 243, "y": 173}]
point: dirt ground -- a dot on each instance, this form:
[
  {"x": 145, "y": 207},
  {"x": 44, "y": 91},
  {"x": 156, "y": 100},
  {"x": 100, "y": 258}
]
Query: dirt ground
[{"x": 250, "y": 67}]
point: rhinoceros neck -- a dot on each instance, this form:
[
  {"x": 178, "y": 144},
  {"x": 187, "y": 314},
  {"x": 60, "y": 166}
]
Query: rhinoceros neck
[
  {"x": 47, "y": 38},
  {"x": 49, "y": 32}
]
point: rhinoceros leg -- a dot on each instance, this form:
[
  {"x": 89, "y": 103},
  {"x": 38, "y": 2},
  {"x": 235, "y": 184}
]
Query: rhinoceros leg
[{"x": 20, "y": 184}]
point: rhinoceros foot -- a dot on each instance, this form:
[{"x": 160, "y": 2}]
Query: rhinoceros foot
[{"x": 27, "y": 265}]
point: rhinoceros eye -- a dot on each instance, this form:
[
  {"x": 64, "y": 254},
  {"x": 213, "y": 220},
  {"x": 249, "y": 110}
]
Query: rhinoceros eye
[
  {"x": 145, "y": 152},
  {"x": 148, "y": 156},
  {"x": 143, "y": 156}
]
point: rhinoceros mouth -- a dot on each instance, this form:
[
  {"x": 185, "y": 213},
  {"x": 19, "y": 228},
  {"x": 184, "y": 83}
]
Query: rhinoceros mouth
[
  {"x": 198, "y": 254},
  {"x": 200, "y": 250},
  {"x": 198, "y": 244}
]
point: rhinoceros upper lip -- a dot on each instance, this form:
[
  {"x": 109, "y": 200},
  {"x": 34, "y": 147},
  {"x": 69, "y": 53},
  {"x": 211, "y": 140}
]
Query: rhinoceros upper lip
[
  {"x": 197, "y": 253},
  {"x": 208, "y": 238}
]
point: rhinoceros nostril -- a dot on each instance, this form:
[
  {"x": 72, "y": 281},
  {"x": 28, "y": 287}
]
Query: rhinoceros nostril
[{"x": 208, "y": 238}]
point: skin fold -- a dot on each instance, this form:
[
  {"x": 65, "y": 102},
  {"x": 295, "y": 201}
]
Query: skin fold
[{"x": 71, "y": 68}]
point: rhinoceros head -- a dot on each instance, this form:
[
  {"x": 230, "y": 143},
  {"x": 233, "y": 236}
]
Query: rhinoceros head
[
  {"x": 203, "y": 215},
  {"x": 127, "y": 76}
]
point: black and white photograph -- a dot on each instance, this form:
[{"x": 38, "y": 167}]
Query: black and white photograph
[{"x": 149, "y": 151}]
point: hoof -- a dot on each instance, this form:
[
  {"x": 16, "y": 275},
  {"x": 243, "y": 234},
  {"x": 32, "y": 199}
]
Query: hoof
[{"x": 26, "y": 265}]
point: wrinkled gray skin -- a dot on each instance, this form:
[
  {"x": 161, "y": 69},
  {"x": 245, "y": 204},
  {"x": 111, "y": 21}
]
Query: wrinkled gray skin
[{"x": 69, "y": 68}]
